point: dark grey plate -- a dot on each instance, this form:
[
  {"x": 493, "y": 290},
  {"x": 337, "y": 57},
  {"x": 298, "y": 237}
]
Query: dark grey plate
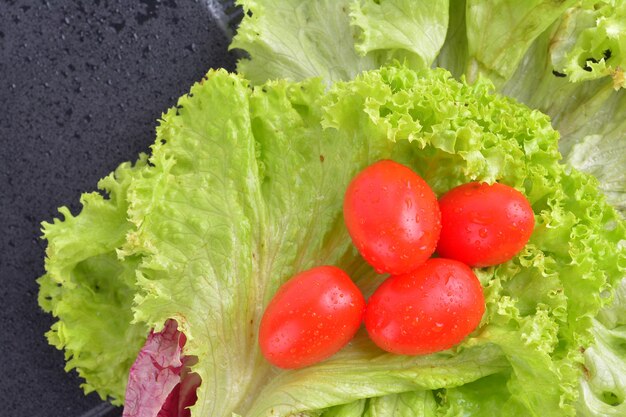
[{"x": 82, "y": 84}]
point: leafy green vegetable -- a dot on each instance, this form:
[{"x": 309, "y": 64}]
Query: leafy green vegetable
[
  {"x": 499, "y": 32},
  {"x": 564, "y": 58},
  {"x": 396, "y": 29},
  {"x": 244, "y": 188},
  {"x": 296, "y": 40},
  {"x": 593, "y": 38},
  {"x": 90, "y": 290},
  {"x": 604, "y": 388}
]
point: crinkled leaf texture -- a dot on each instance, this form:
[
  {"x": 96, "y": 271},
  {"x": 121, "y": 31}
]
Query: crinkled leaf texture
[
  {"x": 244, "y": 188},
  {"x": 603, "y": 391},
  {"x": 573, "y": 72},
  {"x": 298, "y": 39},
  {"x": 408, "y": 31},
  {"x": 565, "y": 58},
  {"x": 336, "y": 39},
  {"x": 91, "y": 291},
  {"x": 159, "y": 382}
]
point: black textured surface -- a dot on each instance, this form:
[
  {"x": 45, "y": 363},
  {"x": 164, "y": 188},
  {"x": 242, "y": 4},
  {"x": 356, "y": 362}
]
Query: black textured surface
[{"x": 81, "y": 86}]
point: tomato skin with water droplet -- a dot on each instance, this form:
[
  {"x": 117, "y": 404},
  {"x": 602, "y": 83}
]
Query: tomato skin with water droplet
[
  {"x": 484, "y": 225},
  {"x": 428, "y": 310},
  {"x": 311, "y": 317},
  {"x": 392, "y": 216}
]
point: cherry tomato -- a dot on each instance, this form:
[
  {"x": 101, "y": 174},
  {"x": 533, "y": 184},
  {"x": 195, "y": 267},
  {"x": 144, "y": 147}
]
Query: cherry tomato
[
  {"x": 484, "y": 224},
  {"x": 311, "y": 317},
  {"x": 392, "y": 216},
  {"x": 430, "y": 309}
]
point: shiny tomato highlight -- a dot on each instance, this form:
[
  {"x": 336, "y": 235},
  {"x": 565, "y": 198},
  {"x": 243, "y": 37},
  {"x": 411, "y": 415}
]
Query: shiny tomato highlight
[
  {"x": 484, "y": 225},
  {"x": 392, "y": 216},
  {"x": 311, "y": 317}
]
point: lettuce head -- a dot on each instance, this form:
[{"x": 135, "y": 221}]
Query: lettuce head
[
  {"x": 244, "y": 188},
  {"x": 181, "y": 251}
]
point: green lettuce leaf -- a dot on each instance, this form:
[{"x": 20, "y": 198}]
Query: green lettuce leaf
[
  {"x": 406, "y": 404},
  {"x": 296, "y": 40},
  {"x": 412, "y": 32},
  {"x": 593, "y": 42},
  {"x": 499, "y": 32},
  {"x": 603, "y": 386},
  {"x": 91, "y": 290},
  {"x": 244, "y": 188},
  {"x": 564, "y": 58},
  {"x": 604, "y": 156},
  {"x": 587, "y": 114},
  {"x": 353, "y": 409}
]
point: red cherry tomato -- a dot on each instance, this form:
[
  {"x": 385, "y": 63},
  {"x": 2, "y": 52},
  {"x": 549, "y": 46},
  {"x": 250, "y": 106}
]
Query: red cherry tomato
[
  {"x": 430, "y": 309},
  {"x": 484, "y": 224},
  {"x": 392, "y": 216},
  {"x": 311, "y": 317}
]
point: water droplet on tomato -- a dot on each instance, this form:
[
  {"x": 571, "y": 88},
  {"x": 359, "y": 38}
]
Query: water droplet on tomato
[
  {"x": 483, "y": 232},
  {"x": 408, "y": 203}
]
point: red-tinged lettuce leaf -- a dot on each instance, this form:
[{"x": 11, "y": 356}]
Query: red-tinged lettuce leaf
[{"x": 160, "y": 384}]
